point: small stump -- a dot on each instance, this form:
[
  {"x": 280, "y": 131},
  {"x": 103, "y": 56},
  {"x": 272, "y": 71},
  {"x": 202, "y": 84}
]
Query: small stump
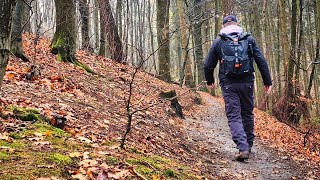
[{"x": 172, "y": 96}]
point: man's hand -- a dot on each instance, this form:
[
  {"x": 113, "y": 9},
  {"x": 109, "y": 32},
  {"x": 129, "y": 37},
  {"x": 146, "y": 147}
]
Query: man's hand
[
  {"x": 212, "y": 86},
  {"x": 268, "y": 89}
]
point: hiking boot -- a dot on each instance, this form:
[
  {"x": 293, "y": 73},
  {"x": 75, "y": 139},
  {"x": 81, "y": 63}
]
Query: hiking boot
[{"x": 244, "y": 155}]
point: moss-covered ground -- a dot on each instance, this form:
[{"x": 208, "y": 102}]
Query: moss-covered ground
[{"x": 41, "y": 151}]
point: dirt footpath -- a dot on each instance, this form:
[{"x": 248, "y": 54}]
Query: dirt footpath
[{"x": 208, "y": 137}]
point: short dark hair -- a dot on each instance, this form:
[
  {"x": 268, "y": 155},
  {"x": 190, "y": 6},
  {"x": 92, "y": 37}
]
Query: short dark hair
[{"x": 229, "y": 18}]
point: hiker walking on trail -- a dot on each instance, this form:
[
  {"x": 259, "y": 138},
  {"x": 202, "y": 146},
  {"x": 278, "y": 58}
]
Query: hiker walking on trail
[{"x": 235, "y": 52}]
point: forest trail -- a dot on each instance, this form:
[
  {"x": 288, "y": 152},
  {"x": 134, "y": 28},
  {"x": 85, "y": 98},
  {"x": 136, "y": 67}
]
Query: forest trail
[{"x": 210, "y": 138}]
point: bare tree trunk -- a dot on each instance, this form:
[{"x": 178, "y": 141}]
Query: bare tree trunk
[
  {"x": 96, "y": 24},
  {"x": 284, "y": 36},
  {"x": 64, "y": 40},
  {"x": 84, "y": 12},
  {"x": 119, "y": 17},
  {"x": 154, "y": 64},
  {"x": 102, "y": 50},
  {"x": 257, "y": 32},
  {"x": 112, "y": 36},
  {"x": 6, "y": 9},
  {"x": 197, "y": 34},
  {"x": 291, "y": 79},
  {"x": 187, "y": 64},
  {"x": 163, "y": 39},
  {"x": 17, "y": 29},
  {"x": 300, "y": 45},
  {"x": 228, "y": 7}
]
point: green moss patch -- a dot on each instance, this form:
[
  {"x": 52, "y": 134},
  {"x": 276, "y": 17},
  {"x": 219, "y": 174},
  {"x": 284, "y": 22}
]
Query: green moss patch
[
  {"x": 3, "y": 156},
  {"x": 28, "y": 159},
  {"x": 159, "y": 167},
  {"x": 60, "y": 158},
  {"x": 14, "y": 145},
  {"x": 26, "y": 114}
]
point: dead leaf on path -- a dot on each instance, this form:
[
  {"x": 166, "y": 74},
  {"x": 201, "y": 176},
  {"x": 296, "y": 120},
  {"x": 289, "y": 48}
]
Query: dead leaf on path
[
  {"x": 119, "y": 175},
  {"x": 104, "y": 166},
  {"x": 79, "y": 177},
  {"x": 85, "y": 140},
  {"x": 42, "y": 143},
  {"x": 35, "y": 139},
  {"x": 38, "y": 134},
  {"x": 48, "y": 133},
  {"x": 5, "y": 137},
  {"x": 86, "y": 155},
  {"x": 75, "y": 154},
  {"x": 88, "y": 163},
  {"x": 46, "y": 166},
  {"x": 10, "y": 68},
  {"x": 102, "y": 176},
  {"x": 10, "y": 76}
]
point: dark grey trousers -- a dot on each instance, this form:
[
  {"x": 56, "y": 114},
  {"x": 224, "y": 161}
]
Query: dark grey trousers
[{"x": 238, "y": 98}]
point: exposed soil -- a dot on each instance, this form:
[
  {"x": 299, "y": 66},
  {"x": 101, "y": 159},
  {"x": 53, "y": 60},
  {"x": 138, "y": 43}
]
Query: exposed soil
[{"x": 209, "y": 137}]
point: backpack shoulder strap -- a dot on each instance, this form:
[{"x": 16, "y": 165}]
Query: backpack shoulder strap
[
  {"x": 225, "y": 36},
  {"x": 244, "y": 36},
  {"x": 250, "y": 44}
]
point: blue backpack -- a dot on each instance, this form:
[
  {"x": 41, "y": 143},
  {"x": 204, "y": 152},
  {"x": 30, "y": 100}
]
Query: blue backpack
[{"x": 236, "y": 53}]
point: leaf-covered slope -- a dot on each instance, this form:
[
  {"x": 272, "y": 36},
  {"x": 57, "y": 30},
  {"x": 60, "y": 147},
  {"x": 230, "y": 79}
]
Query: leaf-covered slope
[{"x": 94, "y": 105}]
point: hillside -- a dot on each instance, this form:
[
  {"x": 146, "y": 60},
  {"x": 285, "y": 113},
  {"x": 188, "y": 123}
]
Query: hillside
[
  {"x": 95, "y": 109},
  {"x": 160, "y": 145}
]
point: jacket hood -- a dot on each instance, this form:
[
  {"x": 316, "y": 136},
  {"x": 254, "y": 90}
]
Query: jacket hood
[{"x": 231, "y": 29}]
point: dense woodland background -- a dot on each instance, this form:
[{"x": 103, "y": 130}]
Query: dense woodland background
[{"x": 170, "y": 39}]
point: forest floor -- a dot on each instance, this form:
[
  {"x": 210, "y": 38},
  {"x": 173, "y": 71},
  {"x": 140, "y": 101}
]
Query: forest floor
[{"x": 36, "y": 143}]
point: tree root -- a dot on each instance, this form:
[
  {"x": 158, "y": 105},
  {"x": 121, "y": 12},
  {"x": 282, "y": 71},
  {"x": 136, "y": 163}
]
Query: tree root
[{"x": 290, "y": 109}]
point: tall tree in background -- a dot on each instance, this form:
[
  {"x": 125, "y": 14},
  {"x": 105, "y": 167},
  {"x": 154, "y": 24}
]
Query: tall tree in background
[
  {"x": 292, "y": 60},
  {"x": 257, "y": 33},
  {"x": 316, "y": 62},
  {"x": 119, "y": 16},
  {"x": 290, "y": 107},
  {"x": 64, "y": 39},
  {"x": 228, "y": 7},
  {"x": 84, "y": 13},
  {"x": 163, "y": 39},
  {"x": 186, "y": 69},
  {"x": 197, "y": 35},
  {"x": 112, "y": 36},
  {"x": 102, "y": 50},
  {"x": 6, "y": 9},
  {"x": 17, "y": 28}
]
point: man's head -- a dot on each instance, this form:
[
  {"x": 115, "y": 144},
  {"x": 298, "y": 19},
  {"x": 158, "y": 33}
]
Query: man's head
[{"x": 230, "y": 20}]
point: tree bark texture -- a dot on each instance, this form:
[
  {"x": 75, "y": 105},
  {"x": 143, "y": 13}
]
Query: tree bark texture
[
  {"x": 163, "y": 39},
  {"x": 64, "y": 39},
  {"x": 291, "y": 79},
  {"x": 186, "y": 69},
  {"x": 197, "y": 35},
  {"x": 6, "y": 10},
  {"x": 17, "y": 28},
  {"x": 284, "y": 36},
  {"x": 112, "y": 36},
  {"x": 84, "y": 13}
]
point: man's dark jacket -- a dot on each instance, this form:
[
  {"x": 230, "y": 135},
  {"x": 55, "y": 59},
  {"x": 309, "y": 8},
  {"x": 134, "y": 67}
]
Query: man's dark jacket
[{"x": 214, "y": 56}]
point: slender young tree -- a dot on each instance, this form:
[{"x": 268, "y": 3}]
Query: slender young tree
[
  {"x": 6, "y": 9},
  {"x": 186, "y": 71},
  {"x": 197, "y": 36},
  {"x": 290, "y": 80}
]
